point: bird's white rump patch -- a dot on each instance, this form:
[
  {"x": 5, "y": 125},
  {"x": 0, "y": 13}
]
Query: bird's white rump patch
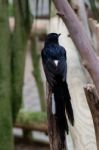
[{"x": 56, "y": 62}]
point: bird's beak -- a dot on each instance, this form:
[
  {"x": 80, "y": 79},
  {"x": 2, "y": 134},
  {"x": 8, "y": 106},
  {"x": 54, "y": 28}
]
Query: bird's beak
[{"x": 59, "y": 34}]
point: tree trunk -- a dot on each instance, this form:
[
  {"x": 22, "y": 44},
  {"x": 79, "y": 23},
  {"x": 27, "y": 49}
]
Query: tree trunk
[
  {"x": 82, "y": 15},
  {"x": 19, "y": 41},
  {"x": 6, "y": 137},
  {"x": 81, "y": 12},
  {"x": 94, "y": 27},
  {"x": 80, "y": 39},
  {"x": 76, "y": 79}
]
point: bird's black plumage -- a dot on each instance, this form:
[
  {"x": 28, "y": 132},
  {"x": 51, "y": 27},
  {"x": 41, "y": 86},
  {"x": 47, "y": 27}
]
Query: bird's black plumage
[{"x": 56, "y": 77}]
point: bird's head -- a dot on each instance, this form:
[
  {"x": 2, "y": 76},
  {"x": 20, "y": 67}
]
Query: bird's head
[{"x": 52, "y": 38}]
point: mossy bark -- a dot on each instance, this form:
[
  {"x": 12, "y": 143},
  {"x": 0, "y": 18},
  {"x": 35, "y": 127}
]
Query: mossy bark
[
  {"x": 19, "y": 41},
  {"x": 6, "y": 138}
]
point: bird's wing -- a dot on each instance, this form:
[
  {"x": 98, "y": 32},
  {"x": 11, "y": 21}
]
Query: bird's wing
[
  {"x": 62, "y": 68},
  {"x": 49, "y": 69}
]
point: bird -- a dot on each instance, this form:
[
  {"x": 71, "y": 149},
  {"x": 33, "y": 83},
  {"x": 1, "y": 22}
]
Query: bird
[{"x": 54, "y": 62}]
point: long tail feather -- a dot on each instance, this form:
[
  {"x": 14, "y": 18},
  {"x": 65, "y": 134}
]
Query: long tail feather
[
  {"x": 68, "y": 105},
  {"x": 60, "y": 111},
  {"x": 62, "y": 102}
]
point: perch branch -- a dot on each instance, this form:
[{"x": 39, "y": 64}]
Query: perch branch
[{"x": 56, "y": 142}]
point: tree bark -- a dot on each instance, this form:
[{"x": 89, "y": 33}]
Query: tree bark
[
  {"x": 54, "y": 137},
  {"x": 6, "y": 137},
  {"x": 93, "y": 102},
  {"x": 82, "y": 14},
  {"x": 80, "y": 39},
  {"x": 94, "y": 27}
]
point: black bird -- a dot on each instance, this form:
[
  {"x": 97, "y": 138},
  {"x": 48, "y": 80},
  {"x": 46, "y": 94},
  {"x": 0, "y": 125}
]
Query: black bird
[{"x": 55, "y": 68}]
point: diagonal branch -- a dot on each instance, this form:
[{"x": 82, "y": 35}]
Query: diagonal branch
[{"x": 80, "y": 39}]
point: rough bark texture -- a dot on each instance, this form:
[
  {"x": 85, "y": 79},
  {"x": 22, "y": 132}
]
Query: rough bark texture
[
  {"x": 80, "y": 39},
  {"x": 6, "y": 138},
  {"x": 93, "y": 102},
  {"x": 54, "y": 138}
]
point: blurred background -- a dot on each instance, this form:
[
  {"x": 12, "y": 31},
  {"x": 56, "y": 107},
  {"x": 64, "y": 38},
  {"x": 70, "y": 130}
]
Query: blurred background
[{"x": 24, "y": 25}]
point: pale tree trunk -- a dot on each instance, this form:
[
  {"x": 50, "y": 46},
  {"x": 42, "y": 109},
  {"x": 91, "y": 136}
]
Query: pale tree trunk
[
  {"x": 94, "y": 27},
  {"x": 76, "y": 79},
  {"x": 81, "y": 12},
  {"x": 82, "y": 15},
  {"x": 80, "y": 39}
]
